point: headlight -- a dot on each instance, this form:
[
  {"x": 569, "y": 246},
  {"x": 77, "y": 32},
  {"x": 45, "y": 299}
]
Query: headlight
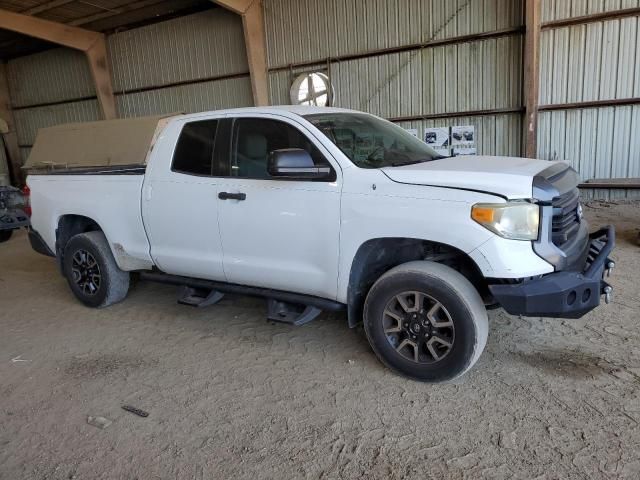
[{"x": 512, "y": 220}]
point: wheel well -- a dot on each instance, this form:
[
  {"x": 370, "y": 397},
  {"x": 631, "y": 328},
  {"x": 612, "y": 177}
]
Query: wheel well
[
  {"x": 377, "y": 256},
  {"x": 68, "y": 227}
]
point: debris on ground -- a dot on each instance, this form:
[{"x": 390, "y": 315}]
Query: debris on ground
[
  {"x": 135, "y": 411},
  {"x": 508, "y": 440},
  {"x": 99, "y": 422},
  {"x": 19, "y": 359}
]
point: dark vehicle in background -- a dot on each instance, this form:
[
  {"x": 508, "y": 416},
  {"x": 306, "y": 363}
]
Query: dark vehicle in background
[{"x": 13, "y": 212}]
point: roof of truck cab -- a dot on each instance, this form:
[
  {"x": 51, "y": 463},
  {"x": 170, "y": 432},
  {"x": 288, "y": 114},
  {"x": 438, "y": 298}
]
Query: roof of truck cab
[{"x": 300, "y": 110}]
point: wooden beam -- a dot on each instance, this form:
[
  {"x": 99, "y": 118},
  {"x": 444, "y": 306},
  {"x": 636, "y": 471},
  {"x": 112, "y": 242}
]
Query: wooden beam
[
  {"x": 93, "y": 44},
  {"x": 53, "y": 32},
  {"x": 10, "y": 138},
  {"x": 255, "y": 42},
  {"x": 236, "y": 6},
  {"x": 252, "y": 13},
  {"x": 532, "y": 75},
  {"x": 99, "y": 65}
]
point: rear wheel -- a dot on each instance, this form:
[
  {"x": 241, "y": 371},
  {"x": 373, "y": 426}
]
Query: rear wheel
[
  {"x": 5, "y": 235},
  {"x": 92, "y": 272},
  {"x": 426, "y": 321}
]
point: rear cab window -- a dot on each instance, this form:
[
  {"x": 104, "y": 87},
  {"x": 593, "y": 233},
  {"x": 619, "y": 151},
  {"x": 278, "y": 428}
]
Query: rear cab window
[{"x": 194, "y": 151}]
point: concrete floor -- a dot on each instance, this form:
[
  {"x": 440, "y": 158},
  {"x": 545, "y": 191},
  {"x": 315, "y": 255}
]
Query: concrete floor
[{"x": 232, "y": 396}]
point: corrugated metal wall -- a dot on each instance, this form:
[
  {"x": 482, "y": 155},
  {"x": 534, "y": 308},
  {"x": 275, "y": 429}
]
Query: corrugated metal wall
[
  {"x": 591, "y": 62},
  {"x": 192, "y": 63},
  {"x": 476, "y": 75},
  {"x": 304, "y": 30},
  {"x": 175, "y": 65}
]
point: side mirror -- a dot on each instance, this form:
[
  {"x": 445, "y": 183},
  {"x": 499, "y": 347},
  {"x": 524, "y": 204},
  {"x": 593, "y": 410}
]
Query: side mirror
[{"x": 295, "y": 163}]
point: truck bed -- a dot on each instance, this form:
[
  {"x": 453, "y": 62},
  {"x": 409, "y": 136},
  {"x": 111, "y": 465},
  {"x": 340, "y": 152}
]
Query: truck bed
[{"x": 111, "y": 200}]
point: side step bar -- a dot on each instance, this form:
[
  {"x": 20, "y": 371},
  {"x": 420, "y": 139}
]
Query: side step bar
[
  {"x": 291, "y": 313},
  {"x": 282, "y": 305},
  {"x": 195, "y": 297}
]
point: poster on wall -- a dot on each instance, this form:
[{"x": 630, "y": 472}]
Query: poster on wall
[
  {"x": 463, "y": 135},
  {"x": 438, "y": 139},
  {"x": 412, "y": 131},
  {"x": 463, "y": 140}
]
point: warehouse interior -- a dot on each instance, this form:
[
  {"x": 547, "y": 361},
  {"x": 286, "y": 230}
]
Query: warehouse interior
[{"x": 235, "y": 397}]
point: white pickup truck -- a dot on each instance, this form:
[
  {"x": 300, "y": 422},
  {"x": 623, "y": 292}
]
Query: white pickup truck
[{"x": 318, "y": 209}]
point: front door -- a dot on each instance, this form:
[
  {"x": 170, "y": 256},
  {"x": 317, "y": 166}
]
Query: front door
[
  {"x": 280, "y": 234},
  {"x": 180, "y": 203}
]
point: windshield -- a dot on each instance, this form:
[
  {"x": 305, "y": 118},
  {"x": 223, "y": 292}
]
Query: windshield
[{"x": 371, "y": 142}]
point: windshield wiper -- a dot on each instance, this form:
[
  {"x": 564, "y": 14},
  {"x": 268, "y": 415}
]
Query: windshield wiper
[{"x": 412, "y": 162}]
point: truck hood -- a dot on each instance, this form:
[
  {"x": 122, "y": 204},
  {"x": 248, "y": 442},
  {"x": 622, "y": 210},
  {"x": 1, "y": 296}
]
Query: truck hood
[{"x": 510, "y": 177}]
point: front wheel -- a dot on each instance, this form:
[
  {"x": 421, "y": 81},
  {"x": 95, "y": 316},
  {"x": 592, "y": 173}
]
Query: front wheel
[
  {"x": 426, "y": 321},
  {"x": 93, "y": 275},
  {"x": 5, "y": 235}
]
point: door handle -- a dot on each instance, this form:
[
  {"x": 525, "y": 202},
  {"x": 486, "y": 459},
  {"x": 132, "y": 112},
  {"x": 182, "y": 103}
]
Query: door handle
[{"x": 232, "y": 196}]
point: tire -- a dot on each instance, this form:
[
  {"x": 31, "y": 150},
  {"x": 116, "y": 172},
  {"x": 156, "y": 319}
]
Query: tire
[
  {"x": 5, "y": 235},
  {"x": 433, "y": 343},
  {"x": 86, "y": 255}
]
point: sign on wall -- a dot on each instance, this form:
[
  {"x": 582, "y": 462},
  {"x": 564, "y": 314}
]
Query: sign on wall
[
  {"x": 463, "y": 140},
  {"x": 438, "y": 139}
]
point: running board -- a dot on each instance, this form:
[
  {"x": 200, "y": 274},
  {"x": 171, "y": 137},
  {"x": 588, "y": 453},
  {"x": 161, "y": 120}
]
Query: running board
[
  {"x": 198, "y": 297},
  {"x": 297, "y": 309},
  {"x": 290, "y": 313}
]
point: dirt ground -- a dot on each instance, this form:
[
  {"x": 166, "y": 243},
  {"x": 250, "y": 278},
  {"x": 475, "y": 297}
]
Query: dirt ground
[{"x": 232, "y": 396}]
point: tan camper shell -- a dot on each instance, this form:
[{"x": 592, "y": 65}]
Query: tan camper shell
[{"x": 121, "y": 142}]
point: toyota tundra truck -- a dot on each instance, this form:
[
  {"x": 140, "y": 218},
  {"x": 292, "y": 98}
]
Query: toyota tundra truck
[{"x": 318, "y": 209}]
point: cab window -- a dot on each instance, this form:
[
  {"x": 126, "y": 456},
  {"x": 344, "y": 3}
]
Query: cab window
[{"x": 194, "y": 150}]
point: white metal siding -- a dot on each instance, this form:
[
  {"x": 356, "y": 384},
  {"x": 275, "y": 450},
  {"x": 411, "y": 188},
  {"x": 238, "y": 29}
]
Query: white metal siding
[
  {"x": 195, "y": 97},
  {"x": 596, "y": 61},
  {"x": 562, "y": 9},
  {"x": 199, "y": 46},
  {"x": 591, "y": 62},
  {"x": 307, "y": 30},
  {"x": 51, "y": 76},
  {"x": 479, "y": 75}
]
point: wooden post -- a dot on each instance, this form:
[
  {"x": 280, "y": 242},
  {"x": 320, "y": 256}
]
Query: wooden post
[
  {"x": 97, "y": 57},
  {"x": 10, "y": 137},
  {"x": 255, "y": 40},
  {"x": 532, "y": 75},
  {"x": 91, "y": 43},
  {"x": 252, "y": 13}
]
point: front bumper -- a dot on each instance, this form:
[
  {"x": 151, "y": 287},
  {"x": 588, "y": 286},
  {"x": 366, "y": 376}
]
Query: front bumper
[{"x": 563, "y": 294}]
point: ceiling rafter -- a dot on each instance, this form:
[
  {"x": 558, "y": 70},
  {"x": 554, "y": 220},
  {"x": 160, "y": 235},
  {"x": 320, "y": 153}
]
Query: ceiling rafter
[
  {"x": 44, "y": 7},
  {"x": 115, "y": 11}
]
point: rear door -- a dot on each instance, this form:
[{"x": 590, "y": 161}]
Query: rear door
[
  {"x": 180, "y": 203},
  {"x": 278, "y": 233}
]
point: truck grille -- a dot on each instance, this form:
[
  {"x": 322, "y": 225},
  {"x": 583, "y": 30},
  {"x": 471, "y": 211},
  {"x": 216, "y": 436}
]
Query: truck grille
[{"x": 566, "y": 217}]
